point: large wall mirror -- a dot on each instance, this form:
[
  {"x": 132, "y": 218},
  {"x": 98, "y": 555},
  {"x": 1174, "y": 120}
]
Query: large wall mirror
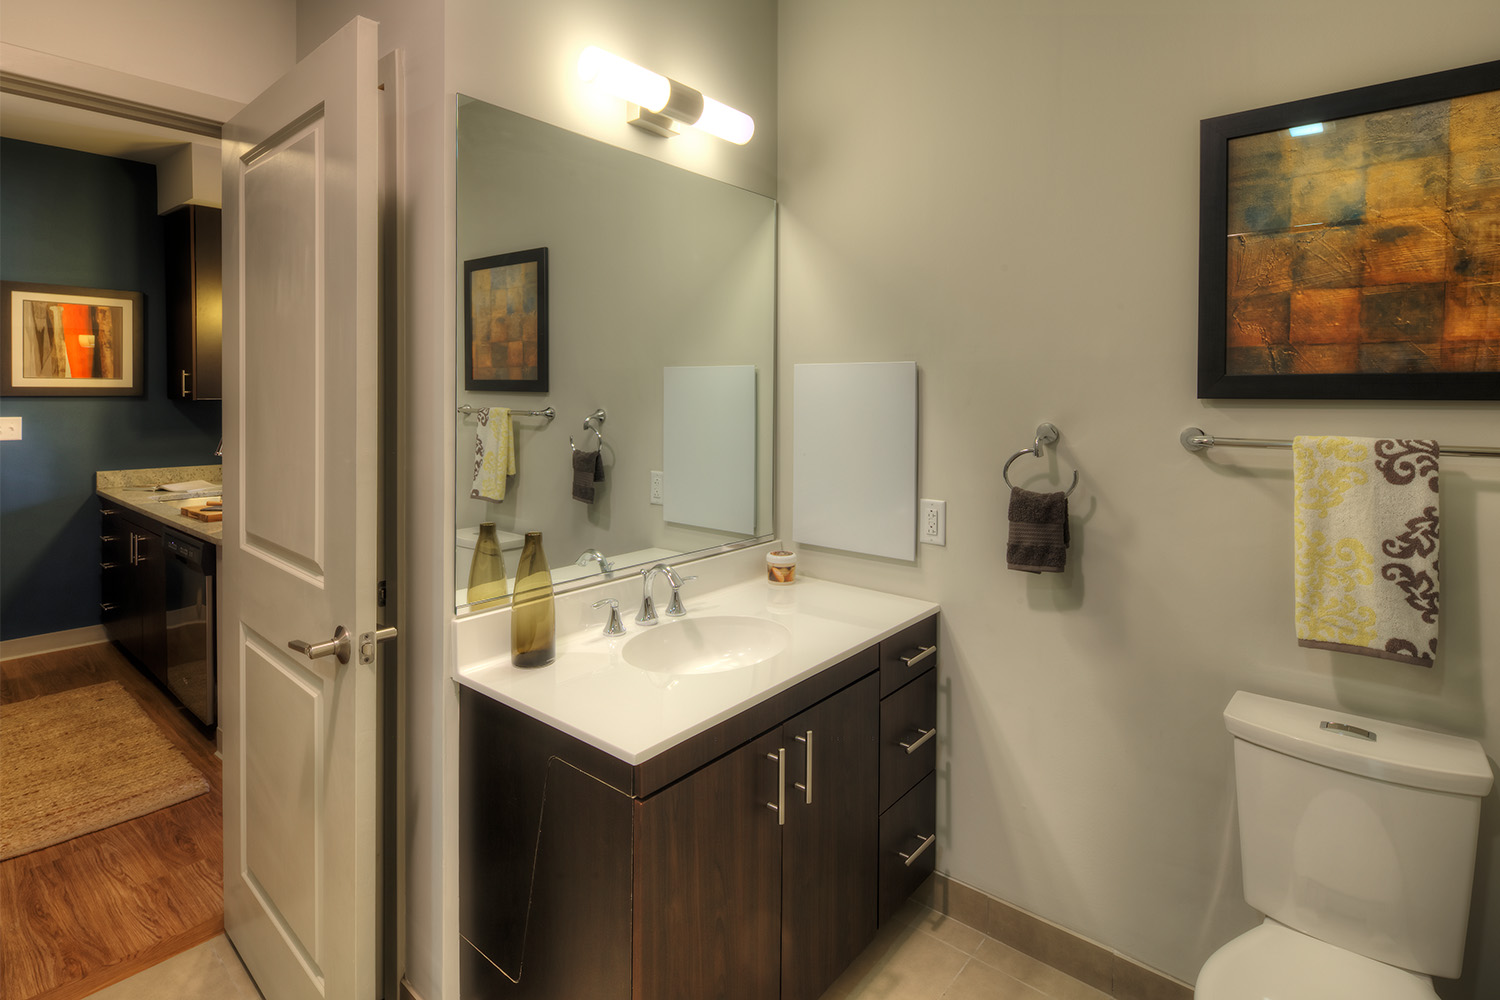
[{"x": 658, "y": 308}]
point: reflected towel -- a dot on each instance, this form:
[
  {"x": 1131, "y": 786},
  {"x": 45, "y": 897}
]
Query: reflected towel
[
  {"x": 1038, "y": 541},
  {"x": 588, "y": 469},
  {"x": 494, "y": 455},
  {"x": 1365, "y": 521}
]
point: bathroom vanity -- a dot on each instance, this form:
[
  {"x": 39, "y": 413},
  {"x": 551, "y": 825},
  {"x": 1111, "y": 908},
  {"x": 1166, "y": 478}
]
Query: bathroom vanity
[{"x": 671, "y": 820}]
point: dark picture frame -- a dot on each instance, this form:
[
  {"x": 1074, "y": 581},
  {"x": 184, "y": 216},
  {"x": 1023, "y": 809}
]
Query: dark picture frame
[
  {"x": 63, "y": 340},
  {"x": 1364, "y": 264},
  {"x": 505, "y": 322}
]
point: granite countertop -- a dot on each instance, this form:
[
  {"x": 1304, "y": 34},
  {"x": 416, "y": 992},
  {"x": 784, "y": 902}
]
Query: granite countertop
[{"x": 130, "y": 489}]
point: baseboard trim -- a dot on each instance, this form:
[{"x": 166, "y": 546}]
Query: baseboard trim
[
  {"x": 51, "y": 642},
  {"x": 1100, "y": 967}
]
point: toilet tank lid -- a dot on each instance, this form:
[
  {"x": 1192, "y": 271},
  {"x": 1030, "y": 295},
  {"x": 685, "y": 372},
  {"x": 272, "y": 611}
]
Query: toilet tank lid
[{"x": 1400, "y": 754}]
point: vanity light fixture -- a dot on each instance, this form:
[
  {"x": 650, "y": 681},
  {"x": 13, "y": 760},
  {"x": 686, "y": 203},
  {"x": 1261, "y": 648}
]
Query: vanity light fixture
[{"x": 657, "y": 103}]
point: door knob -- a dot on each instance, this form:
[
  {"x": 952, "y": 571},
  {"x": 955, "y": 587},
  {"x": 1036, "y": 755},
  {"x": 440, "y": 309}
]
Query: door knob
[{"x": 338, "y": 646}]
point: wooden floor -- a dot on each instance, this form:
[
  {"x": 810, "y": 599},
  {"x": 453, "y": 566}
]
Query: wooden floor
[{"x": 80, "y": 915}]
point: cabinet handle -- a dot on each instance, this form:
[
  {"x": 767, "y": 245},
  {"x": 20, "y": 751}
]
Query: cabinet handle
[
  {"x": 914, "y": 855},
  {"x": 108, "y": 511},
  {"x": 807, "y": 787},
  {"x": 134, "y": 559},
  {"x": 184, "y": 383},
  {"x": 917, "y": 655},
  {"x": 109, "y": 538},
  {"x": 910, "y": 745},
  {"x": 109, "y": 565},
  {"x": 779, "y": 806},
  {"x": 106, "y": 607}
]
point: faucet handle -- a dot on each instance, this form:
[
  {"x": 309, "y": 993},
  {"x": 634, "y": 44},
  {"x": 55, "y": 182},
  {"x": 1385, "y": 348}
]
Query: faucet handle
[
  {"x": 674, "y": 607},
  {"x": 614, "y": 626}
]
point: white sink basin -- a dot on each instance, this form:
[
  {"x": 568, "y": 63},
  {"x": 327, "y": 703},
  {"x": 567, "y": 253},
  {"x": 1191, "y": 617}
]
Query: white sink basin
[{"x": 706, "y": 645}]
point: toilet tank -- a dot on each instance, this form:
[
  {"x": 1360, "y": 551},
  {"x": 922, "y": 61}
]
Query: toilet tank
[{"x": 1358, "y": 832}]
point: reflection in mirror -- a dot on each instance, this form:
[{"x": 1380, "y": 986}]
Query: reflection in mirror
[{"x": 659, "y": 309}]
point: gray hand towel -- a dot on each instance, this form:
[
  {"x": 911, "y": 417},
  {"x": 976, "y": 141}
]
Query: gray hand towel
[
  {"x": 588, "y": 469},
  {"x": 1038, "y": 541}
]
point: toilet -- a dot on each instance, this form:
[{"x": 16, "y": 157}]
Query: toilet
[{"x": 1357, "y": 839}]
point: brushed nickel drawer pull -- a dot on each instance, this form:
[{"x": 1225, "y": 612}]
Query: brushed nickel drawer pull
[
  {"x": 917, "y": 655},
  {"x": 106, "y": 606},
  {"x": 807, "y": 787},
  {"x": 108, "y": 511},
  {"x": 109, "y": 538},
  {"x": 779, "y": 806},
  {"x": 914, "y": 855},
  {"x": 108, "y": 565},
  {"x": 910, "y": 745}
]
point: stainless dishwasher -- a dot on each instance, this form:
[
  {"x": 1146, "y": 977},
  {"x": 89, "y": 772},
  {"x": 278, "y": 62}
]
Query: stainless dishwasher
[{"x": 191, "y": 639}]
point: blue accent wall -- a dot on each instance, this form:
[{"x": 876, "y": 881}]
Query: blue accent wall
[{"x": 69, "y": 218}]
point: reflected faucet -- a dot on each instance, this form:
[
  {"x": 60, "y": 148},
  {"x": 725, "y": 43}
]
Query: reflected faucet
[
  {"x": 594, "y": 555},
  {"x": 647, "y": 614}
]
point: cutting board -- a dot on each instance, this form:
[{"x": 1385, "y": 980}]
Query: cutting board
[{"x": 203, "y": 513}]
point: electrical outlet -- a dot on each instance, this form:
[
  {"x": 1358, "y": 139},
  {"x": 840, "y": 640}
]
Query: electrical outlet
[
  {"x": 658, "y": 487},
  {"x": 934, "y": 522},
  {"x": 10, "y": 428}
]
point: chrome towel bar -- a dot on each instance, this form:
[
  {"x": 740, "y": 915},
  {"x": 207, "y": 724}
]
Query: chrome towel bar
[
  {"x": 549, "y": 412},
  {"x": 1193, "y": 439}
]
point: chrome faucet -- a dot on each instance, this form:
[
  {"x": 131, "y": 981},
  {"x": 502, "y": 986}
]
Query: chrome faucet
[
  {"x": 647, "y": 614},
  {"x": 674, "y": 607},
  {"x": 594, "y": 555}
]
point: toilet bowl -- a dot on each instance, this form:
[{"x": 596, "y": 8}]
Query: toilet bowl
[
  {"x": 1357, "y": 841},
  {"x": 1273, "y": 962}
]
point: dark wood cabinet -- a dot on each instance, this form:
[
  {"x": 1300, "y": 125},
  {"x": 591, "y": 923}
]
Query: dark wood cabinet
[
  {"x": 133, "y": 605},
  {"x": 195, "y": 302},
  {"x": 828, "y": 878},
  {"x": 746, "y": 863}
]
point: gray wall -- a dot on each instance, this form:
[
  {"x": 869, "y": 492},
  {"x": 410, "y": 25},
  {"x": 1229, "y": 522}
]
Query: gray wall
[{"x": 1007, "y": 194}]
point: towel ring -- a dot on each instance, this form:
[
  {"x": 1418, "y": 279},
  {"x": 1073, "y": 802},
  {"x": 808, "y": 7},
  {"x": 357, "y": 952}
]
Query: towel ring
[
  {"x": 596, "y": 415},
  {"x": 1045, "y": 434}
]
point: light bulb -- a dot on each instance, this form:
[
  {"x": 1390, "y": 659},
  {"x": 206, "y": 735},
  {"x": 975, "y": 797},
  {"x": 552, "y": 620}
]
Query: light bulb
[
  {"x": 624, "y": 79},
  {"x": 725, "y": 122}
]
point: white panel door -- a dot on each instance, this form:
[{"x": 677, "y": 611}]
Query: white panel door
[{"x": 299, "y": 549}]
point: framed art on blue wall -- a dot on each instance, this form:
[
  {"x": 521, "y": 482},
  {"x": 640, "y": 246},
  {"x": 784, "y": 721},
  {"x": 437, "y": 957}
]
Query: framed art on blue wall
[
  {"x": 1349, "y": 245},
  {"x": 60, "y": 340}
]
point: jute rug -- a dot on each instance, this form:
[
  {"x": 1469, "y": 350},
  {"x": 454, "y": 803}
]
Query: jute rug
[{"x": 82, "y": 760}]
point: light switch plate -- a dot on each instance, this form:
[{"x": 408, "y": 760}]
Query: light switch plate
[{"x": 10, "y": 428}]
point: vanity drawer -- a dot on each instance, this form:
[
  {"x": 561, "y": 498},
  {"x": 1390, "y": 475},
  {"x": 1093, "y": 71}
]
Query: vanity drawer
[
  {"x": 908, "y": 828},
  {"x": 908, "y": 737},
  {"x": 908, "y": 654}
]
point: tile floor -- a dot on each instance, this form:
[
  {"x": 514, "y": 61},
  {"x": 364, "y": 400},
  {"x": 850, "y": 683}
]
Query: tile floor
[
  {"x": 920, "y": 955},
  {"x": 210, "y": 971}
]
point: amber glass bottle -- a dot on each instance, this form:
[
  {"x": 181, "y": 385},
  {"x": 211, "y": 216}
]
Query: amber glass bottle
[
  {"x": 487, "y": 568},
  {"x": 533, "y": 621}
]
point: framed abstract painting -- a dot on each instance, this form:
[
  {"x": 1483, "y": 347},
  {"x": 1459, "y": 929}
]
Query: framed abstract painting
[
  {"x": 1349, "y": 245},
  {"x": 61, "y": 340},
  {"x": 505, "y": 322}
]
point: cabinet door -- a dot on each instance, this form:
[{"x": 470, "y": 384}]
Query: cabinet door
[
  {"x": 116, "y": 580},
  {"x": 149, "y": 600},
  {"x": 828, "y": 869},
  {"x": 708, "y": 882}
]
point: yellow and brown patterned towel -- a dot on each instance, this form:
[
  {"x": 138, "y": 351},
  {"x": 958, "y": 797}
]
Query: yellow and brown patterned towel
[
  {"x": 494, "y": 455},
  {"x": 1366, "y": 524}
]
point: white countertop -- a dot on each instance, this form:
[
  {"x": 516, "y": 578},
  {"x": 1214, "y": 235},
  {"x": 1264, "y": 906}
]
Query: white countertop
[{"x": 590, "y": 692}]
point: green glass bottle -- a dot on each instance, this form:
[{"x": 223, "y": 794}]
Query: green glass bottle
[
  {"x": 533, "y": 619},
  {"x": 487, "y": 568}
]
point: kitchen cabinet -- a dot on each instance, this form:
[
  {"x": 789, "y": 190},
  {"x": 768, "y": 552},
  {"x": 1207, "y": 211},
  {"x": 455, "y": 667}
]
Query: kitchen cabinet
[
  {"x": 133, "y": 588},
  {"x": 195, "y": 302},
  {"x": 742, "y": 863}
]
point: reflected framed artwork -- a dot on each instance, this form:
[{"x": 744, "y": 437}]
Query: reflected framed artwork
[
  {"x": 61, "y": 340},
  {"x": 505, "y": 322},
  {"x": 1349, "y": 245}
]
